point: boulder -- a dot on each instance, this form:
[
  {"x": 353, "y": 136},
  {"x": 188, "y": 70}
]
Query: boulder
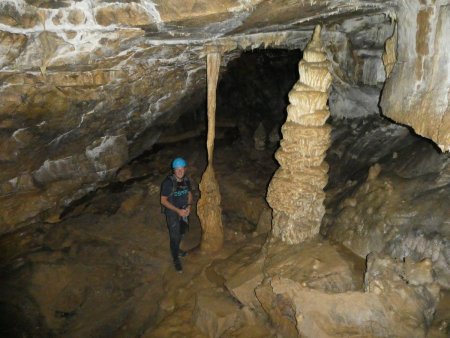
[
  {"x": 399, "y": 301},
  {"x": 215, "y": 312}
]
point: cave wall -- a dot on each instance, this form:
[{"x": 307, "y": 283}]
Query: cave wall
[{"x": 417, "y": 91}]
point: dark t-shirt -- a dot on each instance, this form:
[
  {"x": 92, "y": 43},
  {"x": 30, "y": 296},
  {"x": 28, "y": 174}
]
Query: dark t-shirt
[{"x": 179, "y": 198}]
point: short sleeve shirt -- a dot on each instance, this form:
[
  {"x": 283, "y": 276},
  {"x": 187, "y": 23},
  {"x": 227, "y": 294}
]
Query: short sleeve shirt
[{"x": 179, "y": 198}]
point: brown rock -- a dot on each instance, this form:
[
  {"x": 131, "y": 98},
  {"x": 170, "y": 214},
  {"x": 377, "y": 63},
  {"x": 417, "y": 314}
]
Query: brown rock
[
  {"x": 214, "y": 313},
  {"x": 279, "y": 309},
  {"x": 76, "y": 17},
  {"x": 129, "y": 14},
  {"x": 242, "y": 285},
  {"x": 317, "y": 265},
  {"x": 11, "y": 45},
  {"x": 318, "y": 314},
  {"x": 411, "y": 94},
  {"x": 264, "y": 225},
  {"x": 132, "y": 203}
]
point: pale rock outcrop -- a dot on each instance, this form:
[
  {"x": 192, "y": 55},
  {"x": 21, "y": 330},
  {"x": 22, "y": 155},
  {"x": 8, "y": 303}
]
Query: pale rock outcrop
[
  {"x": 416, "y": 92},
  {"x": 296, "y": 190},
  {"x": 317, "y": 265},
  {"x": 297, "y": 310}
]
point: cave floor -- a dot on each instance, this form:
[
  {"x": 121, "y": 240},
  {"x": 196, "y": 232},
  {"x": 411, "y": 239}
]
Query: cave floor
[{"x": 105, "y": 269}]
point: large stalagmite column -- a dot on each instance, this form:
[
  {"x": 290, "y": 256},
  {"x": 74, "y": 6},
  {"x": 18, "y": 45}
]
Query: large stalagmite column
[
  {"x": 296, "y": 190},
  {"x": 208, "y": 208}
]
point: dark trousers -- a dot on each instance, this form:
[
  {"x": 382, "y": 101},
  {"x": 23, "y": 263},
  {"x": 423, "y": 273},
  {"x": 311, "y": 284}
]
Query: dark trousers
[{"x": 173, "y": 224}]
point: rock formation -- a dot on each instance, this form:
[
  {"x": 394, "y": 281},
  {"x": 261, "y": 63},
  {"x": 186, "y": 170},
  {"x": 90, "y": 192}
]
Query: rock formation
[
  {"x": 395, "y": 213},
  {"x": 208, "y": 208},
  {"x": 296, "y": 190},
  {"x": 420, "y": 80}
]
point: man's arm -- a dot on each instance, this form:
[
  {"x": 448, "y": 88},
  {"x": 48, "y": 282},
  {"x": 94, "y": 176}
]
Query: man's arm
[
  {"x": 189, "y": 203},
  {"x": 165, "y": 202}
]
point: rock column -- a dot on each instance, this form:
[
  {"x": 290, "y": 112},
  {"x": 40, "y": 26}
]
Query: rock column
[
  {"x": 296, "y": 191},
  {"x": 208, "y": 208}
]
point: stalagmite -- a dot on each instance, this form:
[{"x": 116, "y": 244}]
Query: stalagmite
[
  {"x": 208, "y": 207},
  {"x": 296, "y": 190},
  {"x": 259, "y": 137}
]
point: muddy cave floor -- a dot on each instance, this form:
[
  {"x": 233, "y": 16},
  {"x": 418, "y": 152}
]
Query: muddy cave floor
[{"x": 106, "y": 271}]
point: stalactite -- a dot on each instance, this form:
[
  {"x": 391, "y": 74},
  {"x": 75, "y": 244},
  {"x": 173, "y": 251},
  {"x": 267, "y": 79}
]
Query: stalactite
[
  {"x": 208, "y": 207},
  {"x": 296, "y": 191}
]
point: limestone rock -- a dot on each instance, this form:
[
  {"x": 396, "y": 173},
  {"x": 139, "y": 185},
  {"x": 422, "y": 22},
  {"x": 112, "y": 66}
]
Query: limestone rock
[
  {"x": 404, "y": 282},
  {"x": 411, "y": 95},
  {"x": 354, "y": 101},
  {"x": 264, "y": 225},
  {"x": 317, "y": 265},
  {"x": 390, "y": 53},
  {"x": 279, "y": 309},
  {"x": 242, "y": 272},
  {"x": 11, "y": 45},
  {"x": 242, "y": 285},
  {"x": 387, "y": 212},
  {"x": 317, "y": 314},
  {"x": 131, "y": 14},
  {"x": 297, "y": 199},
  {"x": 214, "y": 313}
]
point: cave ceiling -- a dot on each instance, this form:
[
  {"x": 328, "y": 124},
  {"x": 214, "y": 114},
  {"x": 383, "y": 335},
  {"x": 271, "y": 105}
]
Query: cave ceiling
[{"x": 88, "y": 85}]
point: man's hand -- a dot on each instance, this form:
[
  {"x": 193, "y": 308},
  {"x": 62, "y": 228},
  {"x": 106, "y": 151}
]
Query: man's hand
[
  {"x": 184, "y": 212},
  {"x": 188, "y": 209}
]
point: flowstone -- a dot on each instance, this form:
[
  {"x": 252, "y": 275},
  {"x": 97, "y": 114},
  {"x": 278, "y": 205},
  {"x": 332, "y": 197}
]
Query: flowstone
[{"x": 296, "y": 190}]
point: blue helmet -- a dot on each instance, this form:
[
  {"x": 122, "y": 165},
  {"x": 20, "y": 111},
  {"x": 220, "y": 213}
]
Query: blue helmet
[{"x": 178, "y": 163}]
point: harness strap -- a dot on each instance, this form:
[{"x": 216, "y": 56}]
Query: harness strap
[{"x": 174, "y": 184}]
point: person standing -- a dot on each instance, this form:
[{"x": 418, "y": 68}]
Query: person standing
[{"x": 176, "y": 199}]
